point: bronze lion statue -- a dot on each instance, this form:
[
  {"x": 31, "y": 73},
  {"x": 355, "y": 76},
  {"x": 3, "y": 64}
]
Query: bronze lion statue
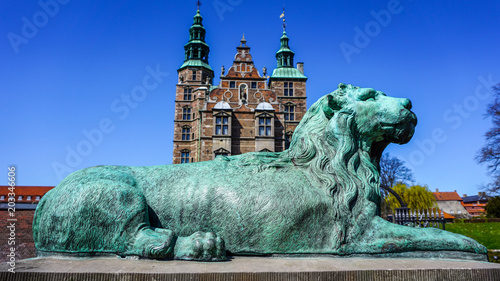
[{"x": 321, "y": 196}]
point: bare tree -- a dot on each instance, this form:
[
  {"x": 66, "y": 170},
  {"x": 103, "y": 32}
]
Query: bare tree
[
  {"x": 490, "y": 153},
  {"x": 393, "y": 171}
]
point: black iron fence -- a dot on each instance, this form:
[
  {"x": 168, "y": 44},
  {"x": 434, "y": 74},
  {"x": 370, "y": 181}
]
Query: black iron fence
[{"x": 419, "y": 218}]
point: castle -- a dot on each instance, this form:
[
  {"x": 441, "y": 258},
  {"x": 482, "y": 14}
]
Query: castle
[{"x": 246, "y": 112}]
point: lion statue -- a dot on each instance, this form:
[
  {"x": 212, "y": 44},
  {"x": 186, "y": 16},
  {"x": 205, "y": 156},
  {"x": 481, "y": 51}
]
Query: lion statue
[{"x": 321, "y": 196}]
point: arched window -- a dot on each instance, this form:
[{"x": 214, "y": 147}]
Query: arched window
[{"x": 243, "y": 91}]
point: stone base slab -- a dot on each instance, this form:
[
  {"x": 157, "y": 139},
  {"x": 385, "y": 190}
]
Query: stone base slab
[{"x": 251, "y": 268}]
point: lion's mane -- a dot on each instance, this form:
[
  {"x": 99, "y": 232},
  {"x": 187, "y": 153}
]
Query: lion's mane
[{"x": 337, "y": 161}]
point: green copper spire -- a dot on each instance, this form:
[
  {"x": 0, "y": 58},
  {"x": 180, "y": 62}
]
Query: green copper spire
[
  {"x": 285, "y": 55},
  {"x": 196, "y": 50},
  {"x": 284, "y": 58}
]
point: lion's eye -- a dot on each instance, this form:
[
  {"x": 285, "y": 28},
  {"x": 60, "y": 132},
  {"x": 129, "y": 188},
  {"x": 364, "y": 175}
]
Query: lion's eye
[{"x": 367, "y": 97}]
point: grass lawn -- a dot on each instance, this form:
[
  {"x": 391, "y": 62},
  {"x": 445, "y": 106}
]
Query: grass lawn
[{"x": 487, "y": 233}]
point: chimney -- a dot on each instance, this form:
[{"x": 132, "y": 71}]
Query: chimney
[
  {"x": 300, "y": 67},
  {"x": 465, "y": 195},
  {"x": 455, "y": 190},
  {"x": 437, "y": 190}
]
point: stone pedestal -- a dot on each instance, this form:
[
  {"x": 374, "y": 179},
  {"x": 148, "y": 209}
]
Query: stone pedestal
[{"x": 251, "y": 268}]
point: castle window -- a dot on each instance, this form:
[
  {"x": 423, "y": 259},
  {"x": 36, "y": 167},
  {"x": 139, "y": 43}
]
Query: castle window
[
  {"x": 254, "y": 85},
  {"x": 185, "y": 156},
  {"x": 37, "y": 198},
  {"x": 28, "y": 198},
  {"x": 243, "y": 91},
  {"x": 221, "y": 152},
  {"x": 232, "y": 84},
  {"x": 186, "y": 133},
  {"x": 194, "y": 75},
  {"x": 20, "y": 198},
  {"x": 289, "y": 112},
  {"x": 187, "y": 93},
  {"x": 265, "y": 126},
  {"x": 288, "y": 139},
  {"x": 2, "y": 197},
  {"x": 288, "y": 89},
  {"x": 186, "y": 113},
  {"x": 221, "y": 125}
]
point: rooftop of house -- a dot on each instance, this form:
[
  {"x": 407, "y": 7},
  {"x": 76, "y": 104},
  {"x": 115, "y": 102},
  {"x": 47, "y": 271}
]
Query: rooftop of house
[
  {"x": 23, "y": 193},
  {"x": 447, "y": 196},
  {"x": 481, "y": 197}
]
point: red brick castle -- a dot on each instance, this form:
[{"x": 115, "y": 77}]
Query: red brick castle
[{"x": 248, "y": 111}]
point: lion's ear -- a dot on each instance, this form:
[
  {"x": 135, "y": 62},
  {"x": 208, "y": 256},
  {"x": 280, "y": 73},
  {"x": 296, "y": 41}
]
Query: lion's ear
[{"x": 331, "y": 106}]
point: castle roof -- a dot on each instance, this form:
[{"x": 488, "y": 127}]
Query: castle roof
[{"x": 288, "y": 72}]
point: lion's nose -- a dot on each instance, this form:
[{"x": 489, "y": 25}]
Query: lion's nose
[{"x": 406, "y": 104}]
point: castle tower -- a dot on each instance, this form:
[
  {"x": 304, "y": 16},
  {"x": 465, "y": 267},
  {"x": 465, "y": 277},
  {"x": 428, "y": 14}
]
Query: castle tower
[
  {"x": 195, "y": 77},
  {"x": 289, "y": 83}
]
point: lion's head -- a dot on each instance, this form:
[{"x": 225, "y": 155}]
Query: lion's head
[
  {"x": 377, "y": 118},
  {"x": 341, "y": 139}
]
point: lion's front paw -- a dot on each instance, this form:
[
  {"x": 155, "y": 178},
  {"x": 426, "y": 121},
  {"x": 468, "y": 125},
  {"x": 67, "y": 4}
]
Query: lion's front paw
[{"x": 201, "y": 246}]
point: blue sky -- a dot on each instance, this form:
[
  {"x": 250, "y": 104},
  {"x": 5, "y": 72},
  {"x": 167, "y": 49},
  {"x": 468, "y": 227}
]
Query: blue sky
[{"x": 66, "y": 65}]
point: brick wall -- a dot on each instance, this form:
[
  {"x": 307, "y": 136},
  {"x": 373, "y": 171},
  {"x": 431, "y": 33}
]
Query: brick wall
[{"x": 25, "y": 246}]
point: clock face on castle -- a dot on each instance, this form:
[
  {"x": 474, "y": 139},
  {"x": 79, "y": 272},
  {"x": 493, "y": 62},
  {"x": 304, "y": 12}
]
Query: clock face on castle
[{"x": 246, "y": 111}]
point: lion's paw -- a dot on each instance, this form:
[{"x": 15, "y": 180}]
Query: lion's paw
[
  {"x": 158, "y": 244},
  {"x": 201, "y": 246}
]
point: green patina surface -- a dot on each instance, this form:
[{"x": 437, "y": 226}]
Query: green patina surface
[
  {"x": 320, "y": 196},
  {"x": 195, "y": 63},
  {"x": 288, "y": 72}
]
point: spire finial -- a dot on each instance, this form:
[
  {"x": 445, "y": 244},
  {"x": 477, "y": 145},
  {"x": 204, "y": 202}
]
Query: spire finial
[
  {"x": 284, "y": 19},
  {"x": 243, "y": 41},
  {"x": 198, "y": 4}
]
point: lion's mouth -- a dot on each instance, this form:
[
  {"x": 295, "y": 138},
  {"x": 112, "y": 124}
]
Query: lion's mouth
[{"x": 401, "y": 132}]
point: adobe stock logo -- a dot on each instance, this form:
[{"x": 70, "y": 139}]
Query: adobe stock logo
[{"x": 30, "y": 28}]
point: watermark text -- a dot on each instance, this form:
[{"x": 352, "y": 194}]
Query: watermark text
[{"x": 11, "y": 220}]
